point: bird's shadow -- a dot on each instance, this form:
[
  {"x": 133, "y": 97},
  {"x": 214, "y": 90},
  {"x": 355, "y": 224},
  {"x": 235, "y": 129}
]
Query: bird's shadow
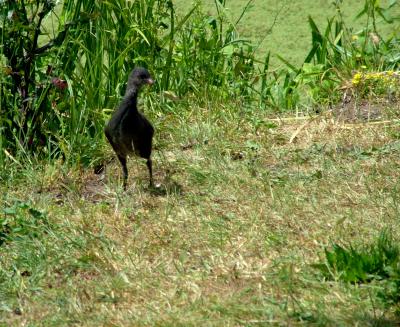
[{"x": 167, "y": 187}]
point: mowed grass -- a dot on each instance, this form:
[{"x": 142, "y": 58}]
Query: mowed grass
[
  {"x": 282, "y": 28},
  {"x": 228, "y": 239}
]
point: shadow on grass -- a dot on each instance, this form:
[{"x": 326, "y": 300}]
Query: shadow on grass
[{"x": 370, "y": 320}]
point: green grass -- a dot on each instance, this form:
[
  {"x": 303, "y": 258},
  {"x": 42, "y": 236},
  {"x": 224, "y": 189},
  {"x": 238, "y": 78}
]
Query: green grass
[
  {"x": 229, "y": 238},
  {"x": 378, "y": 260},
  {"x": 290, "y": 36},
  {"x": 247, "y": 205}
]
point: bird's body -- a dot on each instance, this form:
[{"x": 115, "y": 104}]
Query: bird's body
[{"x": 128, "y": 130}]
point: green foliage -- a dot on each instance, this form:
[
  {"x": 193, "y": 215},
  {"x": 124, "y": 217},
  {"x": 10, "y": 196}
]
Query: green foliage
[
  {"x": 195, "y": 54},
  {"x": 391, "y": 292},
  {"x": 362, "y": 265},
  {"x": 280, "y": 90},
  {"x": 21, "y": 220},
  {"x": 62, "y": 97},
  {"x": 337, "y": 47},
  {"x": 336, "y": 52},
  {"x": 29, "y": 86},
  {"x": 378, "y": 261}
]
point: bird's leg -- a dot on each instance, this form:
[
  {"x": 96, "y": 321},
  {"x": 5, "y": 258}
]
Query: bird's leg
[
  {"x": 122, "y": 159},
  {"x": 150, "y": 168}
]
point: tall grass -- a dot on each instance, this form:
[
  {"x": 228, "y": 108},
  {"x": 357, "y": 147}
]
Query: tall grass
[
  {"x": 102, "y": 41},
  {"x": 94, "y": 45},
  {"x": 337, "y": 51}
]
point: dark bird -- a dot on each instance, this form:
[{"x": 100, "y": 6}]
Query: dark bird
[{"x": 128, "y": 130}]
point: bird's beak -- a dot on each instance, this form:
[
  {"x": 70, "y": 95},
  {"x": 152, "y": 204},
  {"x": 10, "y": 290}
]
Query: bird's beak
[{"x": 150, "y": 81}]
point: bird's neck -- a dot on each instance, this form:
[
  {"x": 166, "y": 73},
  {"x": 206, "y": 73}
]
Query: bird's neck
[
  {"x": 132, "y": 89},
  {"x": 130, "y": 98}
]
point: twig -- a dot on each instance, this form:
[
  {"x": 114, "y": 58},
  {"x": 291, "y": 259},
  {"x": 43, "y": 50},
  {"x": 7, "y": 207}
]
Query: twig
[
  {"x": 294, "y": 135},
  {"x": 358, "y": 125},
  {"x": 8, "y": 154}
]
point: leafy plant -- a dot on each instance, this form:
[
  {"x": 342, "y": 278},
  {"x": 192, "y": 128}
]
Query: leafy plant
[
  {"x": 379, "y": 261},
  {"x": 21, "y": 220},
  {"x": 29, "y": 83},
  {"x": 362, "y": 265}
]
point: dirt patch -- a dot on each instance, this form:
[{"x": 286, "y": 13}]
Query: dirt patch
[
  {"x": 93, "y": 188},
  {"x": 364, "y": 110}
]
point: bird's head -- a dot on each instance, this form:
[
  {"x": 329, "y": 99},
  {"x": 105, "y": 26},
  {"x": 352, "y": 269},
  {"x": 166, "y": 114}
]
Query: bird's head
[{"x": 139, "y": 77}]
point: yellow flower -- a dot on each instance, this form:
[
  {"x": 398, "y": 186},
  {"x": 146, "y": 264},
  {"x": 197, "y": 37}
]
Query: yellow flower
[{"x": 357, "y": 78}]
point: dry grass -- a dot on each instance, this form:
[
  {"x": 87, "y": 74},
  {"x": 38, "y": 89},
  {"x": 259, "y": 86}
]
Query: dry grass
[{"x": 229, "y": 237}]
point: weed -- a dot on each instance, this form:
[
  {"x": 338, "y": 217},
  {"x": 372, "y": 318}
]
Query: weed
[
  {"x": 379, "y": 261},
  {"x": 352, "y": 265}
]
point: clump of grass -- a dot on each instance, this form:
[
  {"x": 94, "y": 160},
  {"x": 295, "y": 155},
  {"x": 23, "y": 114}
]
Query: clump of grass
[
  {"x": 362, "y": 265},
  {"x": 21, "y": 220},
  {"x": 379, "y": 261}
]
